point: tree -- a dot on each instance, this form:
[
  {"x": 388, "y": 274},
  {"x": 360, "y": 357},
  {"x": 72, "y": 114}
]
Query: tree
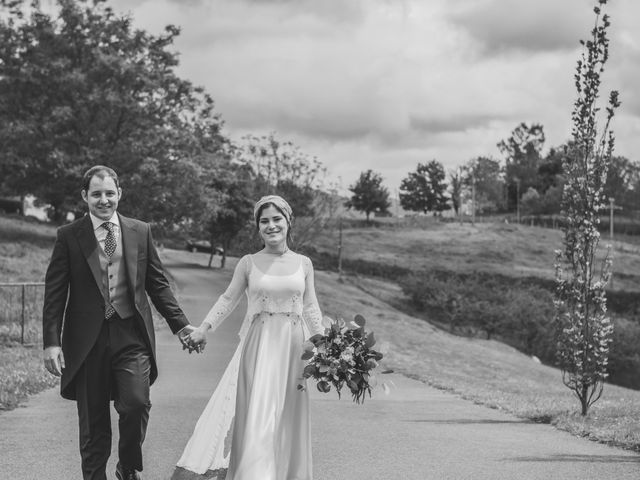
[
  {"x": 621, "y": 176},
  {"x": 282, "y": 168},
  {"x": 455, "y": 181},
  {"x": 584, "y": 329},
  {"x": 632, "y": 198},
  {"x": 424, "y": 190},
  {"x": 550, "y": 172},
  {"x": 84, "y": 88},
  {"x": 522, "y": 158},
  {"x": 279, "y": 165},
  {"x": 530, "y": 201},
  {"x": 368, "y": 194},
  {"x": 299, "y": 197},
  {"x": 485, "y": 175},
  {"x": 229, "y": 206}
]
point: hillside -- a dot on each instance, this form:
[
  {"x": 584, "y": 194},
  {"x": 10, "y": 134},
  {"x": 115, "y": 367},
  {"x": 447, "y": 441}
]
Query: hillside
[
  {"x": 506, "y": 249},
  {"x": 484, "y": 371}
]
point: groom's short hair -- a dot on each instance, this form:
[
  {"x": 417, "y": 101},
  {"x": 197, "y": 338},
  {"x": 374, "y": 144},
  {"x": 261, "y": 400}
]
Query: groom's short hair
[{"x": 101, "y": 172}]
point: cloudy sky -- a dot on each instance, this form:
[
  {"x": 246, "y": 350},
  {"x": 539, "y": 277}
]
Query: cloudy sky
[{"x": 385, "y": 84}]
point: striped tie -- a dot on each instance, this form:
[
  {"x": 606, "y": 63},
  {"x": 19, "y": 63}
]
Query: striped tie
[{"x": 109, "y": 248}]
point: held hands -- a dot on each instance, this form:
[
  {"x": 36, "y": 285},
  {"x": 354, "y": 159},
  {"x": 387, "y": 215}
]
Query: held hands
[
  {"x": 54, "y": 360},
  {"x": 199, "y": 335},
  {"x": 189, "y": 341}
]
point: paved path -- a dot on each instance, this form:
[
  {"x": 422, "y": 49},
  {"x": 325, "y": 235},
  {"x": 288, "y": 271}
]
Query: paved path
[{"x": 417, "y": 433}]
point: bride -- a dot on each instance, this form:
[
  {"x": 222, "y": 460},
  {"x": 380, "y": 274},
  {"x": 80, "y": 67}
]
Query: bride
[{"x": 257, "y": 408}]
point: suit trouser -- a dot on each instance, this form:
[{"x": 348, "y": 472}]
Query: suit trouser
[{"x": 118, "y": 367}]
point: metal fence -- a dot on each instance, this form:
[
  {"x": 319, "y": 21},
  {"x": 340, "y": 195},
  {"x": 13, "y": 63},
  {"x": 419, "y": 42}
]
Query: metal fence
[{"x": 21, "y": 312}]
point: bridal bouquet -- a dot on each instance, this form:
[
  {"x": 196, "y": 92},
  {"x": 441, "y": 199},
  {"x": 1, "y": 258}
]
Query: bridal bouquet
[{"x": 343, "y": 356}]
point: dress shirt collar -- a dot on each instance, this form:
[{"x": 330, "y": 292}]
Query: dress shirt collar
[{"x": 97, "y": 223}]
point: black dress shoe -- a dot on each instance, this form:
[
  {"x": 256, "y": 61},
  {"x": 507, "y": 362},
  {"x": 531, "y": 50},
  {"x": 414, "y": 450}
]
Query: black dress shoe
[{"x": 126, "y": 474}]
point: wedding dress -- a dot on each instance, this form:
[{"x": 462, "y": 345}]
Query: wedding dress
[{"x": 257, "y": 420}]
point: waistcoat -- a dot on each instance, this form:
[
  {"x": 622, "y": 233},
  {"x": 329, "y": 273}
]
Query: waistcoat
[{"x": 114, "y": 281}]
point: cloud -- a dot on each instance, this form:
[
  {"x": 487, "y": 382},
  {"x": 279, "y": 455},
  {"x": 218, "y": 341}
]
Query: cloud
[
  {"x": 623, "y": 76},
  {"x": 541, "y": 26},
  {"x": 448, "y": 124},
  {"x": 385, "y": 84}
]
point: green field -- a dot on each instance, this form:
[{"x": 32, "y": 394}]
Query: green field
[{"x": 484, "y": 371}]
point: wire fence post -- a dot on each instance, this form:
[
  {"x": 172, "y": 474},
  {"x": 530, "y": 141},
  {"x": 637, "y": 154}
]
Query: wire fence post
[
  {"x": 23, "y": 305},
  {"x": 23, "y": 315},
  {"x": 340, "y": 250}
]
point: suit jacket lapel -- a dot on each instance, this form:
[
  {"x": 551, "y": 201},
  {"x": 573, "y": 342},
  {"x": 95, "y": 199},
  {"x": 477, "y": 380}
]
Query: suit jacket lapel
[
  {"x": 89, "y": 247},
  {"x": 130, "y": 250}
]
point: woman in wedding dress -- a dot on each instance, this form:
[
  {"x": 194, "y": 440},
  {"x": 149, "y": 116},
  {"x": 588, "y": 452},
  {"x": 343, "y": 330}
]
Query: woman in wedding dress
[{"x": 257, "y": 407}]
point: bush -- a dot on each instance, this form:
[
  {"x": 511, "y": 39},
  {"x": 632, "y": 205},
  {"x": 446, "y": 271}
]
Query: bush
[
  {"x": 624, "y": 353},
  {"x": 522, "y": 317},
  {"x": 530, "y": 313}
]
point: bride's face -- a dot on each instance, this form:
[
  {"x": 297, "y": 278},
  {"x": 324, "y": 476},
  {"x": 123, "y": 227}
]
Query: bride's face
[{"x": 273, "y": 226}]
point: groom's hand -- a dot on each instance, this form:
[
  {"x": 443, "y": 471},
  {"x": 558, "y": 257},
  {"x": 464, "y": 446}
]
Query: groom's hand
[
  {"x": 54, "y": 360},
  {"x": 185, "y": 336}
]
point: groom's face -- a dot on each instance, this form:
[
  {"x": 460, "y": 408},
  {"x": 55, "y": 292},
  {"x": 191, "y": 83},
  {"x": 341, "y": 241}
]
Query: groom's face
[{"x": 102, "y": 197}]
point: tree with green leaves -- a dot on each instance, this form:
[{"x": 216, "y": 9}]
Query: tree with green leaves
[
  {"x": 425, "y": 189},
  {"x": 584, "y": 329},
  {"x": 369, "y": 195},
  {"x": 81, "y": 87}
]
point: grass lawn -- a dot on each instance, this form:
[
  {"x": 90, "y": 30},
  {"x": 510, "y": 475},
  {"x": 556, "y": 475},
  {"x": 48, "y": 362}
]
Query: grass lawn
[
  {"x": 487, "y": 372},
  {"x": 25, "y": 249},
  {"x": 21, "y": 374},
  {"x": 507, "y": 249}
]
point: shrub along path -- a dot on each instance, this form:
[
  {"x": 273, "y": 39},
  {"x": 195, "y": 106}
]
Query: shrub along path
[{"x": 417, "y": 432}]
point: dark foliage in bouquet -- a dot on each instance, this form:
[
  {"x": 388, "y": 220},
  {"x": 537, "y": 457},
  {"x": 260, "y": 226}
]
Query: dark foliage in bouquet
[{"x": 343, "y": 356}]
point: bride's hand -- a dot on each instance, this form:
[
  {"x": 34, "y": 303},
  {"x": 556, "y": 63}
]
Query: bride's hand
[{"x": 199, "y": 337}]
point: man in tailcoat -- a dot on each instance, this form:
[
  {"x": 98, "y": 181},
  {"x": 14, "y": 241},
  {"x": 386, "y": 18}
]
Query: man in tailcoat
[{"x": 98, "y": 331}]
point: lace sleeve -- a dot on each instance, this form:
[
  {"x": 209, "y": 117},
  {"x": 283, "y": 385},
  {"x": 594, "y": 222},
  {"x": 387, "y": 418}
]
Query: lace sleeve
[
  {"x": 230, "y": 298},
  {"x": 311, "y": 313}
]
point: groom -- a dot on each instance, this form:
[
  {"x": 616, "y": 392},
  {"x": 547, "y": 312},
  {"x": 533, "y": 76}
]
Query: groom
[{"x": 97, "y": 328}]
